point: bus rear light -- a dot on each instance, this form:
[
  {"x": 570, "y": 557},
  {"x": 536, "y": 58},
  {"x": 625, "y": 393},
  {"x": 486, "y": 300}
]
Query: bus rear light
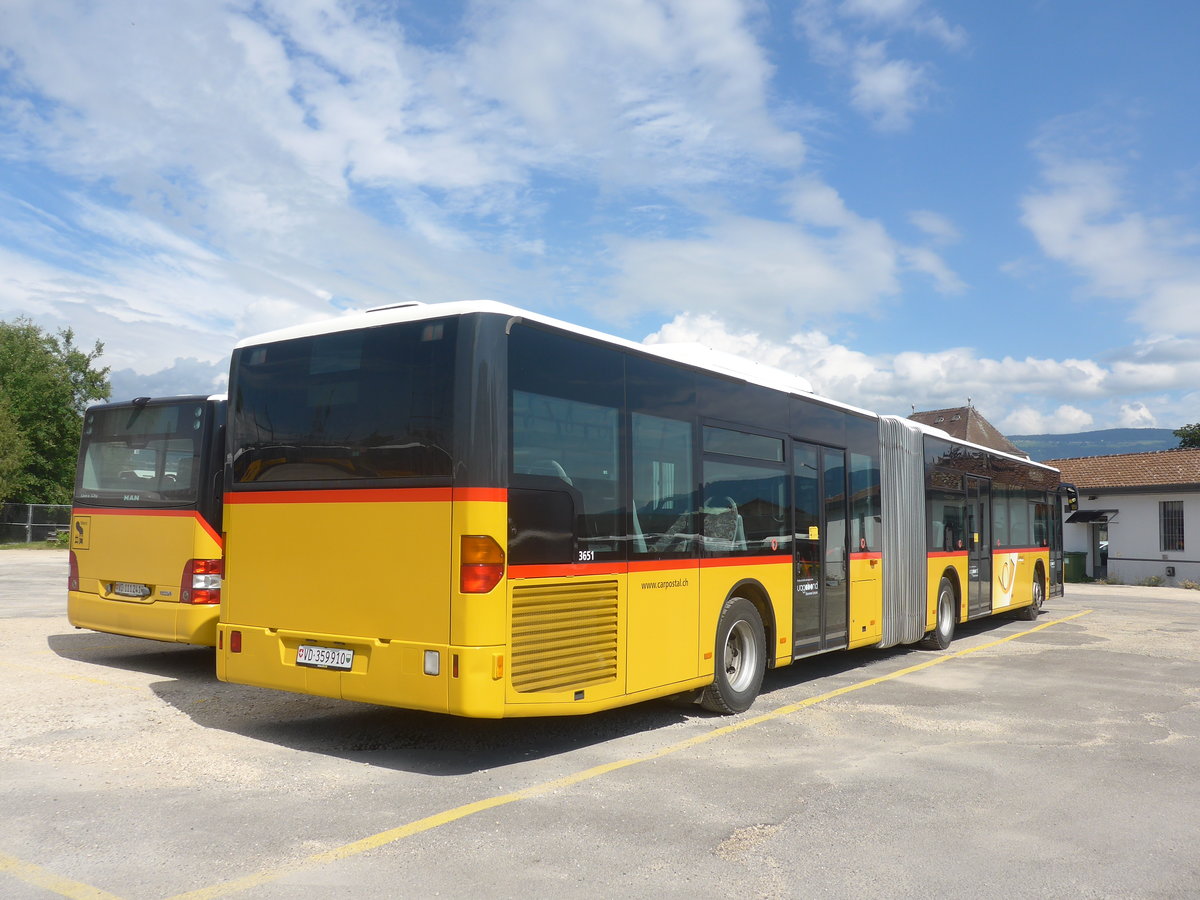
[
  {"x": 201, "y": 581},
  {"x": 433, "y": 662},
  {"x": 482, "y": 564},
  {"x": 235, "y": 642},
  {"x": 72, "y": 572}
]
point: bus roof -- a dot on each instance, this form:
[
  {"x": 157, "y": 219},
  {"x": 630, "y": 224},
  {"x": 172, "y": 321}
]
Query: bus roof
[{"x": 696, "y": 356}]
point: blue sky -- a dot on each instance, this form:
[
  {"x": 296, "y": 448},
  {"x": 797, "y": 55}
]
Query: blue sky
[{"x": 908, "y": 202}]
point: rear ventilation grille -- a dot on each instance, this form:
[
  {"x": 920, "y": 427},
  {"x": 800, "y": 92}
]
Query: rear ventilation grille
[{"x": 564, "y": 636}]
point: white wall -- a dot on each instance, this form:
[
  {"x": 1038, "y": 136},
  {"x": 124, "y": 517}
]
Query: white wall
[{"x": 1133, "y": 538}]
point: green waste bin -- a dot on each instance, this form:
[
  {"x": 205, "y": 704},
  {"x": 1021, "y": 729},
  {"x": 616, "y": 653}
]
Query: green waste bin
[{"x": 1074, "y": 563}]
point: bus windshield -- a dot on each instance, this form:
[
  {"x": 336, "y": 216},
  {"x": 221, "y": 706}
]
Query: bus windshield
[
  {"x": 374, "y": 404},
  {"x": 147, "y": 455}
]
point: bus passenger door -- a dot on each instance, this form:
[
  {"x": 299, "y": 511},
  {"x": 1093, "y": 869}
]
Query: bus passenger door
[
  {"x": 979, "y": 555},
  {"x": 819, "y": 514}
]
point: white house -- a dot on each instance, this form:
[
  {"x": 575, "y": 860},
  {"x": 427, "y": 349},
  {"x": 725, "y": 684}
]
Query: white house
[{"x": 1138, "y": 516}]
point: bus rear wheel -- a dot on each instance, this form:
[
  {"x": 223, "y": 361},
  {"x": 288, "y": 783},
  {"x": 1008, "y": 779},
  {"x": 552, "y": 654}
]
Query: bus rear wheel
[
  {"x": 1030, "y": 613},
  {"x": 740, "y": 659},
  {"x": 943, "y": 631}
]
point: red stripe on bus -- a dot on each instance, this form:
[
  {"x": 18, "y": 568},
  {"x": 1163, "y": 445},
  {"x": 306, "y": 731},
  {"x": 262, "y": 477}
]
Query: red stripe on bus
[
  {"x": 493, "y": 495},
  {"x": 568, "y": 570},
  {"x": 997, "y": 551},
  {"x": 170, "y": 513},
  {"x": 367, "y": 495},
  {"x": 725, "y": 561},
  {"x": 616, "y": 568},
  {"x": 220, "y": 539},
  {"x": 867, "y": 555},
  {"x": 664, "y": 565}
]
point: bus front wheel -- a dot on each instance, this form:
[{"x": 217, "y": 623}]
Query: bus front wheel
[
  {"x": 740, "y": 658},
  {"x": 943, "y": 631}
]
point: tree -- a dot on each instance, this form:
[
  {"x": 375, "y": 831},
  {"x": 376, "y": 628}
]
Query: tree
[
  {"x": 1189, "y": 435},
  {"x": 14, "y": 453},
  {"x": 45, "y": 384}
]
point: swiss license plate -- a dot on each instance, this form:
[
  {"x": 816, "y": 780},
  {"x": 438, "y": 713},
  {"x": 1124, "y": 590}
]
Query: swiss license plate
[
  {"x": 128, "y": 589},
  {"x": 325, "y": 657}
]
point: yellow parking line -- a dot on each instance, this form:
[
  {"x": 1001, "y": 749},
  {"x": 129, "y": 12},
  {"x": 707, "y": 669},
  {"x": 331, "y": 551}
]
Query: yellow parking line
[
  {"x": 39, "y": 877},
  {"x": 469, "y": 809}
]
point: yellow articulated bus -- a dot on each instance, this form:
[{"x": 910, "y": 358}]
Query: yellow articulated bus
[
  {"x": 146, "y": 546},
  {"x": 477, "y": 510}
]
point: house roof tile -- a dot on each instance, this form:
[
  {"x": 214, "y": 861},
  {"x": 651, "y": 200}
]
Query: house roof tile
[{"x": 1159, "y": 468}]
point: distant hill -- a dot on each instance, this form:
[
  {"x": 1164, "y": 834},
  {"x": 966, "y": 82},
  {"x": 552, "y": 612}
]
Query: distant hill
[{"x": 1107, "y": 442}]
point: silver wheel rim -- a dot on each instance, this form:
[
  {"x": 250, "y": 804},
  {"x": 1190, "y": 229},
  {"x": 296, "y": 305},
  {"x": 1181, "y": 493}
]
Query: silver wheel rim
[
  {"x": 741, "y": 655},
  {"x": 1038, "y": 595},
  {"x": 945, "y": 614}
]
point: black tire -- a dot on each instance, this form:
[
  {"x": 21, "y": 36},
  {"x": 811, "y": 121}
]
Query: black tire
[
  {"x": 947, "y": 617},
  {"x": 740, "y": 659},
  {"x": 1033, "y": 610}
]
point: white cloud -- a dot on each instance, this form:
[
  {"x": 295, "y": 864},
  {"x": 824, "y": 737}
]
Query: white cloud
[
  {"x": 183, "y": 376},
  {"x": 1027, "y": 420},
  {"x": 922, "y": 259},
  {"x": 909, "y": 15},
  {"x": 1081, "y": 218},
  {"x": 641, "y": 90},
  {"x": 887, "y": 90},
  {"x": 936, "y": 226},
  {"x": 291, "y": 142},
  {"x": 762, "y": 272},
  {"x": 1136, "y": 415},
  {"x": 825, "y": 262},
  {"x": 1021, "y": 396}
]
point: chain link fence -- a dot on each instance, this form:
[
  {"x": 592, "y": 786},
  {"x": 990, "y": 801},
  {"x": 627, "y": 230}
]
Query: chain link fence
[{"x": 24, "y": 523}]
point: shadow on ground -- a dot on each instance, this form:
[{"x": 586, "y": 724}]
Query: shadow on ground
[{"x": 435, "y": 744}]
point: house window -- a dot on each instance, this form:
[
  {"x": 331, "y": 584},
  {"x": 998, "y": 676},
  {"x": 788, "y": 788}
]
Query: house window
[{"x": 1170, "y": 525}]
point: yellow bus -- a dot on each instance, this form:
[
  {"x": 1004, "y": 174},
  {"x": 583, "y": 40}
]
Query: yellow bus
[
  {"x": 477, "y": 510},
  {"x": 146, "y": 545}
]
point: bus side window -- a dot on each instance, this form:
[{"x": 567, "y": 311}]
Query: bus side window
[
  {"x": 662, "y": 515},
  {"x": 565, "y": 459}
]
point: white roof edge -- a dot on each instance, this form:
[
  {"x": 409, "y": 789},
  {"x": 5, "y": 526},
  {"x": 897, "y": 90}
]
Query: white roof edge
[
  {"x": 728, "y": 363},
  {"x": 161, "y": 398},
  {"x": 946, "y": 436}
]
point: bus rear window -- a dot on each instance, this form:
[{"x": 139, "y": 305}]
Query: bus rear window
[
  {"x": 372, "y": 404},
  {"x": 141, "y": 455}
]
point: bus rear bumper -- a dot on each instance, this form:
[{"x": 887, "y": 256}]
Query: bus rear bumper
[
  {"x": 461, "y": 681},
  {"x": 160, "y": 620}
]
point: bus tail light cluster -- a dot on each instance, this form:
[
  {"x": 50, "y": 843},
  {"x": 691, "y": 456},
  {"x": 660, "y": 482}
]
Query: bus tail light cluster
[
  {"x": 482, "y": 564},
  {"x": 73, "y": 572},
  {"x": 201, "y": 581}
]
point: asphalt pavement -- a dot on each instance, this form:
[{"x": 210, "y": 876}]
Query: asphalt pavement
[{"x": 1050, "y": 759}]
